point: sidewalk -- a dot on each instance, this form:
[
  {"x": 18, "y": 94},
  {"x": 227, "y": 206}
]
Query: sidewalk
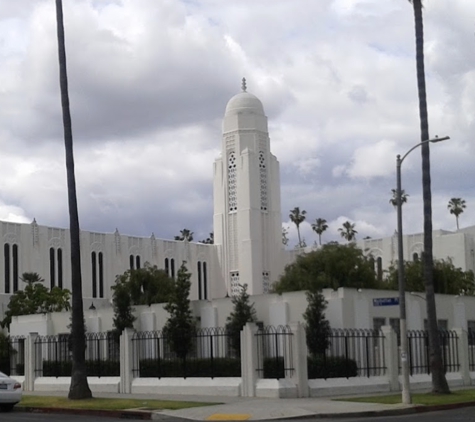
[{"x": 244, "y": 408}]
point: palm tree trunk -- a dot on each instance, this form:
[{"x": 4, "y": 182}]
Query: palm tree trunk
[
  {"x": 439, "y": 382},
  {"x": 320, "y": 239},
  {"x": 79, "y": 388},
  {"x": 298, "y": 233},
  {"x": 457, "y": 220}
]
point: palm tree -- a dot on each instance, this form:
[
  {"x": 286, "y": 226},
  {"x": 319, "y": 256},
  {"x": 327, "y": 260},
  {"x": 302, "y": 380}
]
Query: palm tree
[
  {"x": 348, "y": 231},
  {"x": 439, "y": 382},
  {"x": 297, "y": 217},
  {"x": 209, "y": 240},
  {"x": 79, "y": 388},
  {"x": 186, "y": 235},
  {"x": 456, "y": 207},
  {"x": 319, "y": 227},
  {"x": 393, "y": 200}
]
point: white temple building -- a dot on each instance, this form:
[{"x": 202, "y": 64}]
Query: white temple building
[{"x": 247, "y": 229}]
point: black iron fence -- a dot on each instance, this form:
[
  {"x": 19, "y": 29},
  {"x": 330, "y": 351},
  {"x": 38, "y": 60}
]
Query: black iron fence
[
  {"x": 351, "y": 353},
  {"x": 211, "y": 353},
  {"x": 471, "y": 350},
  {"x": 53, "y": 357},
  {"x": 419, "y": 351},
  {"x": 12, "y": 355},
  {"x": 275, "y": 352}
]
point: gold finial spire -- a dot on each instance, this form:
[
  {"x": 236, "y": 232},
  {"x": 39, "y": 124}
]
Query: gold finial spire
[{"x": 243, "y": 86}]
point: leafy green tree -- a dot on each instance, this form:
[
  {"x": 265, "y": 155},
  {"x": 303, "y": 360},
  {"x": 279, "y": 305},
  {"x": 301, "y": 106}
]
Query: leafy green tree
[
  {"x": 347, "y": 231},
  {"x": 243, "y": 312},
  {"x": 393, "y": 200},
  {"x": 185, "y": 235},
  {"x": 319, "y": 227},
  {"x": 456, "y": 207},
  {"x": 297, "y": 217},
  {"x": 35, "y": 298},
  {"x": 180, "y": 327},
  {"x": 331, "y": 266},
  {"x": 448, "y": 279},
  {"x": 148, "y": 285},
  {"x": 285, "y": 238},
  {"x": 317, "y": 329},
  {"x": 79, "y": 388},
  {"x": 122, "y": 304},
  {"x": 439, "y": 382}
]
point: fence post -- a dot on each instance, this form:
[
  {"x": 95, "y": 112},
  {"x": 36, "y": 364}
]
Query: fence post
[
  {"x": 249, "y": 360},
  {"x": 29, "y": 384},
  {"x": 391, "y": 352},
  {"x": 462, "y": 351},
  {"x": 299, "y": 359},
  {"x": 126, "y": 357}
]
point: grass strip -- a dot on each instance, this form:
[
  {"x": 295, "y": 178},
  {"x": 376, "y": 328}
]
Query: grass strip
[
  {"x": 459, "y": 396},
  {"x": 107, "y": 403}
]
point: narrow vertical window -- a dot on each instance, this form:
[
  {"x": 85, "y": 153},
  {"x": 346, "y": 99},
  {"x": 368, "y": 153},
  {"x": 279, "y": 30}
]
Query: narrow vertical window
[
  {"x": 166, "y": 266},
  {"x": 415, "y": 257},
  {"x": 172, "y": 268},
  {"x": 6, "y": 254},
  {"x": 379, "y": 263},
  {"x": 200, "y": 293},
  {"x": 205, "y": 282},
  {"x": 101, "y": 275},
  {"x": 51, "y": 268},
  {"x": 60, "y": 268},
  {"x": 131, "y": 262},
  {"x": 137, "y": 262},
  {"x": 15, "y": 268},
  {"x": 94, "y": 274}
]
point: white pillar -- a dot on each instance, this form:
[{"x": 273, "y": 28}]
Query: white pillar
[
  {"x": 299, "y": 360},
  {"x": 30, "y": 360},
  {"x": 249, "y": 360},
  {"x": 463, "y": 355},
  {"x": 391, "y": 350},
  {"x": 126, "y": 361}
]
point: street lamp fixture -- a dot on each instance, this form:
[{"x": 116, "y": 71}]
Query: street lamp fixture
[{"x": 406, "y": 393}]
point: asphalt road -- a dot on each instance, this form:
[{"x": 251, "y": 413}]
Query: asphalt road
[
  {"x": 46, "y": 417},
  {"x": 466, "y": 414}
]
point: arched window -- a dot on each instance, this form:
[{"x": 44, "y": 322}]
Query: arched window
[
  {"x": 60, "y": 268},
  {"x": 205, "y": 282},
  {"x": 137, "y": 262},
  {"x": 131, "y": 258},
  {"x": 167, "y": 266},
  {"x": 101, "y": 275},
  {"x": 415, "y": 256},
  {"x": 172, "y": 268},
  {"x": 200, "y": 293},
  {"x": 94, "y": 274}
]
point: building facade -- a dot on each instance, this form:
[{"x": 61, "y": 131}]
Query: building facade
[{"x": 247, "y": 229}]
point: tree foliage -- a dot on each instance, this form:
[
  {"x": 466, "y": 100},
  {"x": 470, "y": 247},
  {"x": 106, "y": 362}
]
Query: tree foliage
[
  {"x": 185, "y": 234},
  {"x": 448, "y": 279},
  {"x": 298, "y": 217},
  {"x": 180, "y": 327},
  {"x": 243, "y": 312},
  {"x": 331, "y": 266},
  {"x": 319, "y": 227},
  {"x": 35, "y": 298},
  {"x": 393, "y": 200},
  {"x": 142, "y": 286},
  {"x": 347, "y": 231},
  {"x": 456, "y": 207},
  {"x": 317, "y": 329},
  {"x": 209, "y": 240}
]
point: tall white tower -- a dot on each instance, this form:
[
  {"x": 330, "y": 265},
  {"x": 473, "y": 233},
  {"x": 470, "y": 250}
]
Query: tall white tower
[{"x": 247, "y": 214}]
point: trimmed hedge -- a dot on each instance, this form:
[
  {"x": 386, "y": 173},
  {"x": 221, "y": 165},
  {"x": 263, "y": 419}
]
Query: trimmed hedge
[
  {"x": 331, "y": 367},
  {"x": 94, "y": 368},
  {"x": 191, "y": 368}
]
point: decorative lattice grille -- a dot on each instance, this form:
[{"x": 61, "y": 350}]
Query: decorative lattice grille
[
  {"x": 232, "y": 188},
  {"x": 263, "y": 179},
  {"x": 265, "y": 282},
  {"x": 235, "y": 287}
]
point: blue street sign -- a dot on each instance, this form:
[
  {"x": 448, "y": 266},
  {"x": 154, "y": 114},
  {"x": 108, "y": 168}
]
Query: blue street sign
[{"x": 386, "y": 301}]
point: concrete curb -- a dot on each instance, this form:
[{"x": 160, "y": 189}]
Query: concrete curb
[{"x": 150, "y": 415}]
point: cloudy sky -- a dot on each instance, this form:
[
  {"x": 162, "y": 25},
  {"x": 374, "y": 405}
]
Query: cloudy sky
[{"x": 149, "y": 82}]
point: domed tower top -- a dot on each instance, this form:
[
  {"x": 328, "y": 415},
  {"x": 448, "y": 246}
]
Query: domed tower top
[{"x": 244, "y": 102}]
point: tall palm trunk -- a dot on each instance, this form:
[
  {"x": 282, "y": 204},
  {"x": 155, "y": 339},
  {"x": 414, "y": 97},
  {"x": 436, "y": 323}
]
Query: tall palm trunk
[
  {"x": 79, "y": 388},
  {"x": 439, "y": 382}
]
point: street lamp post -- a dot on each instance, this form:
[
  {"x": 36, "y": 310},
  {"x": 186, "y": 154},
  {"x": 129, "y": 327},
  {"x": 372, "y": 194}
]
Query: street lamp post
[{"x": 406, "y": 393}]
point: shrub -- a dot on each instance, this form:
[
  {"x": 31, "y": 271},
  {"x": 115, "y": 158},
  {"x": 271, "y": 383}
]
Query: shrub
[
  {"x": 331, "y": 367},
  {"x": 94, "y": 368},
  {"x": 190, "y": 368}
]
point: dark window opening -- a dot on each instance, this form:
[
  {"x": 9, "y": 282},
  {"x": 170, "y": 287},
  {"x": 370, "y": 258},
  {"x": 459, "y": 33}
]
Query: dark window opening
[
  {"x": 137, "y": 262},
  {"x": 60, "y": 268},
  {"x": 172, "y": 268},
  {"x": 379, "y": 263},
  {"x": 131, "y": 262},
  {"x": 51, "y": 268},
  {"x": 6, "y": 254},
  {"x": 101, "y": 275},
  {"x": 15, "y": 268},
  {"x": 166, "y": 266},
  {"x": 200, "y": 293},
  {"x": 94, "y": 274},
  {"x": 205, "y": 282}
]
